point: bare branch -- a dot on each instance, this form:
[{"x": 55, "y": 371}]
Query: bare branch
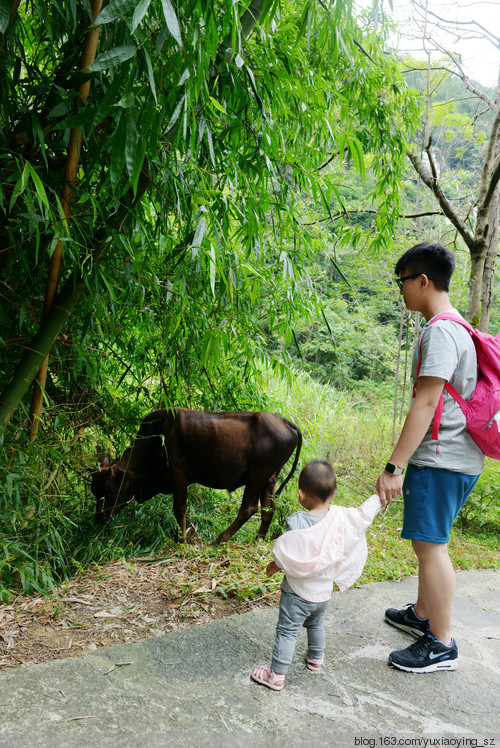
[
  {"x": 452, "y": 25},
  {"x": 430, "y": 156},
  {"x": 466, "y": 80},
  {"x": 372, "y": 211},
  {"x": 433, "y": 184}
]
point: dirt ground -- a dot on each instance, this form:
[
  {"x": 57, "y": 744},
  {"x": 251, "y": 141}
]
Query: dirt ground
[{"x": 117, "y": 603}]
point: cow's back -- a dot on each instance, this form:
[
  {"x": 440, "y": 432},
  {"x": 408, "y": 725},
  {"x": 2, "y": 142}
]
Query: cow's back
[{"x": 227, "y": 450}]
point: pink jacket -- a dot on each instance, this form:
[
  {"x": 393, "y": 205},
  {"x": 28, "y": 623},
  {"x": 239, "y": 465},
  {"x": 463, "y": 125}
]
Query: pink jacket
[{"x": 333, "y": 550}]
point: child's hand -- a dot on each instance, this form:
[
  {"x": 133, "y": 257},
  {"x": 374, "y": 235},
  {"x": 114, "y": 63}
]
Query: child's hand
[{"x": 272, "y": 568}]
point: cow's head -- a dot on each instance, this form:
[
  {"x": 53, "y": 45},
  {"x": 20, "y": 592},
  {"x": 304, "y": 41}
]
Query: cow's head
[{"x": 113, "y": 489}]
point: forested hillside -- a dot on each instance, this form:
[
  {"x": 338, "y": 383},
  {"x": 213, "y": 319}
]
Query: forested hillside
[{"x": 202, "y": 204}]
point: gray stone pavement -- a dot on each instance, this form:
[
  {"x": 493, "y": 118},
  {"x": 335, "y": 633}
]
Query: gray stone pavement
[{"x": 193, "y": 688}]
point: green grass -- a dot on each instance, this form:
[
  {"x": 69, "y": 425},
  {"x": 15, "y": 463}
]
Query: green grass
[{"x": 47, "y": 532}]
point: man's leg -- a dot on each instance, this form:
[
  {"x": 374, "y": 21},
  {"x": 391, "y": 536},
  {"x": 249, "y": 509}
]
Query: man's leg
[{"x": 436, "y": 587}]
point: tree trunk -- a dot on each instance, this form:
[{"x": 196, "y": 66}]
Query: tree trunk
[
  {"x": 475, "y": 286},
  {"x": 38, "y": 348},
  {"x": 494, "y": 221},
  {"x": 489, "y": 266},
  {"x": 70, "y": 172}
]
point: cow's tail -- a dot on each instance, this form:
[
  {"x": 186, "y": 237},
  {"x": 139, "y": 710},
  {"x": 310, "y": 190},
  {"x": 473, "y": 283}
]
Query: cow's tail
[{"x": 295, "y": 462}]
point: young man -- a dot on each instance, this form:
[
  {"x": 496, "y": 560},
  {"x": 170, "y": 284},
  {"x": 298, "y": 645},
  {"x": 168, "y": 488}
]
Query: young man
[{"x": 440, "y": 475}]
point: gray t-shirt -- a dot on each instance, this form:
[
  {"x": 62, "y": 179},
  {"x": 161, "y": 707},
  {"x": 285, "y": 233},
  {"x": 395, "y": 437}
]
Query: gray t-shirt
[
  {"x": 301, "y": 520},
  {"x": 448, "y": 352}
]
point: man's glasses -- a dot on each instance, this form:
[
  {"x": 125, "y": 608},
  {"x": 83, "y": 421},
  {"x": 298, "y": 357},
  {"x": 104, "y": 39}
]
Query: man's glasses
[{"x": 400, "y": 281}]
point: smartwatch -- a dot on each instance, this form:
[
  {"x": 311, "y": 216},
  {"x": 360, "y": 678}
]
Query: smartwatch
[{"x": 394, "y": 469}]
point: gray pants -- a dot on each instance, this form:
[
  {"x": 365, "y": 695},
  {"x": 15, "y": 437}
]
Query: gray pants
[{"x": 294, "y": 613}]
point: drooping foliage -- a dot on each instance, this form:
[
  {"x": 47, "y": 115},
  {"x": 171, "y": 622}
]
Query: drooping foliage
[
  {"x": 208, "y": 134},
  {"x": 172, "y": 169}
]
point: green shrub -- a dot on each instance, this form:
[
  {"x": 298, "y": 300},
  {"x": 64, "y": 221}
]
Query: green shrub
[{"x": 47, "y": 528}]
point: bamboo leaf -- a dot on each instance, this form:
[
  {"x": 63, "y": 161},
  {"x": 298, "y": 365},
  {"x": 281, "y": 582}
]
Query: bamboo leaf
[
  {"x": 114, "y": 10},
  {"x": 199, "y": 233},
  {"x": 172, "y": 21},
  {"x": 117, "y": 158},
  {"x": 130, "y": 141},
  {"x": 210, "y": 146},
  {"x": 109, "y": 98},
  {"x": 18, "y": 189},
  {"x": 4, "y": 15},
  {"x": 177, "y": 111},
  {"x": 216, "y": 104},
  {"x": 139, "y": 13},
  {"x": 151, "y": 75},
  {"x": 356, "y": 152},
  {"x": 25, "y": 176},
  {"x": 211, "y": 254},
  {"x": 112, "y": 57},
  {"x": 139, "y": 163},
  {"x": 40, "y": 189}
]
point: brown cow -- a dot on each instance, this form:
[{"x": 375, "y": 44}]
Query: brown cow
[{"x": 177, "y": 447}]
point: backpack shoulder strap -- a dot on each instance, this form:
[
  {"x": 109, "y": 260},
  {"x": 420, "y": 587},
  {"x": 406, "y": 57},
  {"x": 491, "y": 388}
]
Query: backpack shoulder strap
[
  {"x": 451, "y": 390},
  {"x": 461, "y": 321},
  {"x": 454, "y": 318}
]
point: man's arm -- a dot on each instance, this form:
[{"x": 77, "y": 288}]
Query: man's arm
[{"x": 418, "y": 420}]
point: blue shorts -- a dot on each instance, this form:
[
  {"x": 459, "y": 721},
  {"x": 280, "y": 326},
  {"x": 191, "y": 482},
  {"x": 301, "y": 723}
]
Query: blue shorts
[{"x": 433, "y": 497}]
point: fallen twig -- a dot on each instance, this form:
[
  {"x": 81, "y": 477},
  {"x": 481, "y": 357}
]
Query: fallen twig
[
  {"x": 222, "y": 720},
  {"x": 115, "y": 665}
]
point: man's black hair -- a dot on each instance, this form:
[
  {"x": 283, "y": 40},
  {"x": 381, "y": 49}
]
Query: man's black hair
[
  {"x": 318, "y": 479},
  {"x": 430, "y": 258}
]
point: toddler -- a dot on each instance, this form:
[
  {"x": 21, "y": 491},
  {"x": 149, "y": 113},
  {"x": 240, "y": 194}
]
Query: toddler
[{"x": 322, "y": 544}]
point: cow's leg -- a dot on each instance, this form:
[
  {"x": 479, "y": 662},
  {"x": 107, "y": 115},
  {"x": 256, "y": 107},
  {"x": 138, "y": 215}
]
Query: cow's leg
[
  {"x": 249, "y": 505},
  {"x": 267, "y": 506},
  {"x": 180, "y": 506}
]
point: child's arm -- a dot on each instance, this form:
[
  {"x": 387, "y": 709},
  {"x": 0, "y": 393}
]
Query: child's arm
[{"x": 272, "y": 568}]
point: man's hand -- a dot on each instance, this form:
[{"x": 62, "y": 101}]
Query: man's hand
[{"x": 388, "y": 487}]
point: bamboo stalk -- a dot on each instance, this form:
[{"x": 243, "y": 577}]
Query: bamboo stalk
[{"x": 70, "y": 173}]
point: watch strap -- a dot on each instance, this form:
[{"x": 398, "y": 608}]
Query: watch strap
[{"x": 394, "y": 469}]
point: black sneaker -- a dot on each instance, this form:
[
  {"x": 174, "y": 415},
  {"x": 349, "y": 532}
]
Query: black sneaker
[
  {"x": 427, "y": 655},
  {"x": 407, "y": 620}
]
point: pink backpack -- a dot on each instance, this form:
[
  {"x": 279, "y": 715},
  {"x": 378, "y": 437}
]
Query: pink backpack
[{"x": 482, "y": 411}]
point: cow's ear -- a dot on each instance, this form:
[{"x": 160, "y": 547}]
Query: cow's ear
[
  {"x": 117, "y": 472},
  {"x": 105, "y": 461}
]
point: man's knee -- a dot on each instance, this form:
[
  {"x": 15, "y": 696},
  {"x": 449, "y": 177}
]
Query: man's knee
[{"x": 424, "y": 550}]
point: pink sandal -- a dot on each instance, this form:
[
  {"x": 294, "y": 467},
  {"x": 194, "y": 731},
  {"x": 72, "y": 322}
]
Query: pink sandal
[
  {"x": 268, "y": 677},
  {"x": 314, "y": 665}
]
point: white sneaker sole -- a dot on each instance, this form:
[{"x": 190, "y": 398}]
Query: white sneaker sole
[{"x": 433, "y": 668}]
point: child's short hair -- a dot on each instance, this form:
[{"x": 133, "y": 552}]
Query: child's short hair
[
  {"x": 431, "y": 259},
  {"x": 318, "y": 479}
]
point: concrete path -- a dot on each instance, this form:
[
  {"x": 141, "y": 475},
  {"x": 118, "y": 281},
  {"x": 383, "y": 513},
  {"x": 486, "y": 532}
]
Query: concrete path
[{"x": 192, "y": 688}]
